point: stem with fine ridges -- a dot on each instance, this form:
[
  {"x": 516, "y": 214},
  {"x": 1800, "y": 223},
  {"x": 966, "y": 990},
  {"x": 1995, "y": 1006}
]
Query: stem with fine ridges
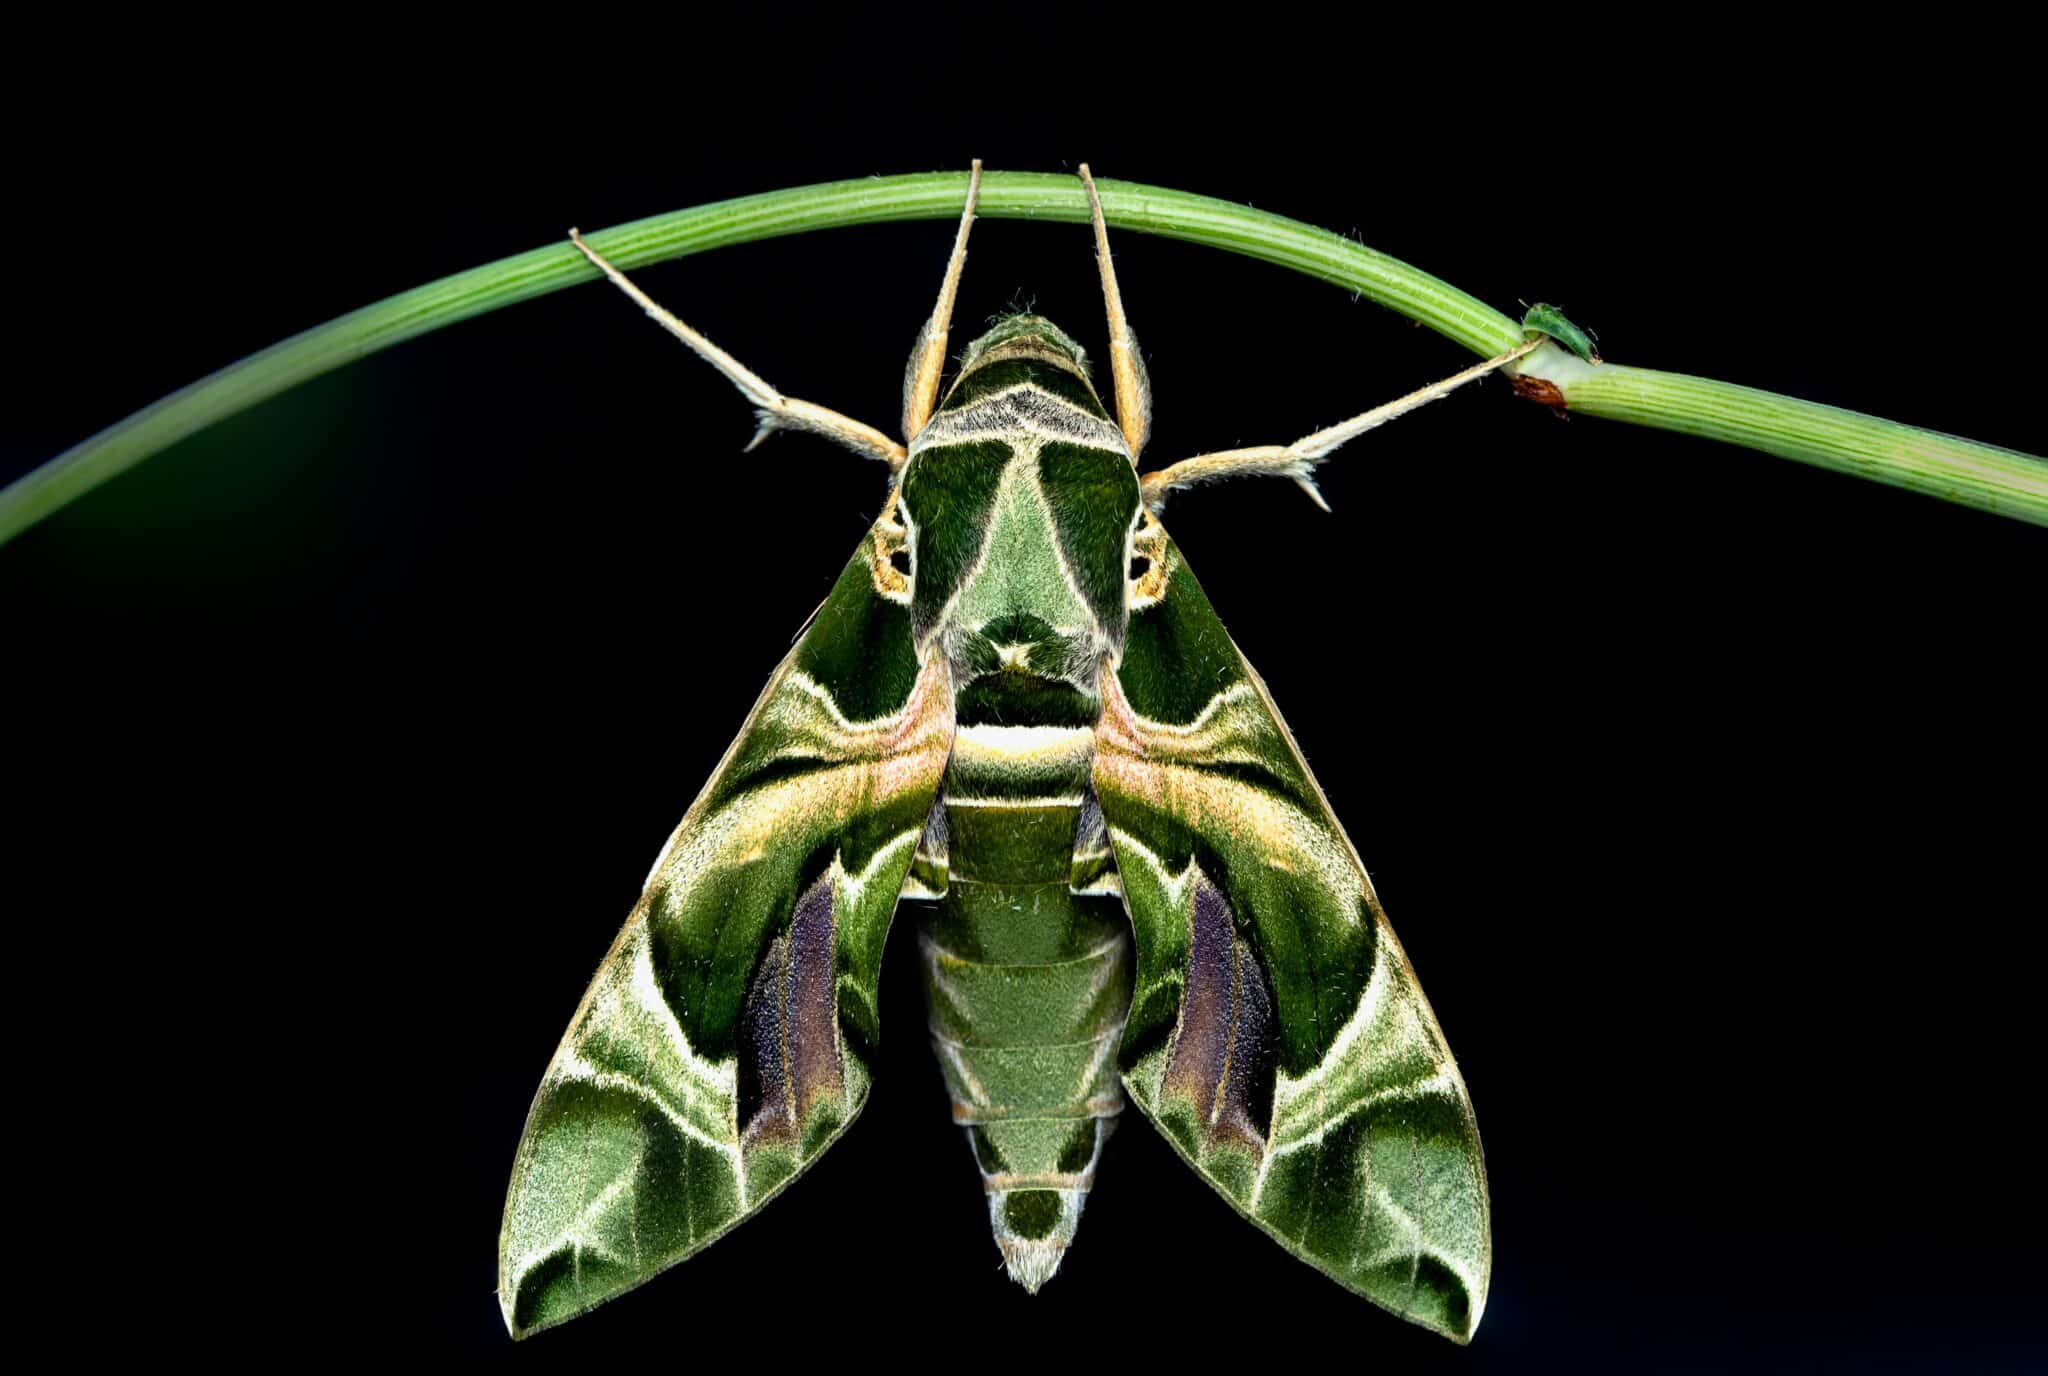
[{"x": 1984, "y": 476}]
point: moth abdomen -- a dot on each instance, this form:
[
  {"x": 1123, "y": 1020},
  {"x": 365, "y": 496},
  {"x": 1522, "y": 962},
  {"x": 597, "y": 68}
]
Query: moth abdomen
[{"x": 1027, "y": 982}]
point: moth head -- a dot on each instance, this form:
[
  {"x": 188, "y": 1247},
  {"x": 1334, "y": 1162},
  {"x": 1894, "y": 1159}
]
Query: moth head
[{"x": 1025, "y": 337}]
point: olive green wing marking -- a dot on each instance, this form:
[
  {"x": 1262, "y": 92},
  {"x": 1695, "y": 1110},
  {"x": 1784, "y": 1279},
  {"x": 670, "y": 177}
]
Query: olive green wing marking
[
  {"x": 728, "y": 1037},
  {"x": 1277, "y": 1033}
]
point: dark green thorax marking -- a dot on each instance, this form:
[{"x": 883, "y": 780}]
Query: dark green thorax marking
[
  {"x": 948, "y": 492},
  {"x": 1024, "y": 349},
  {"x": 1093, "y": 495}
]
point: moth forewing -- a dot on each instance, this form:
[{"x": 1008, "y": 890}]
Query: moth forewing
[
  {"x": 1277, "y": 1034},
  {"x": 728, "y": 1037}
]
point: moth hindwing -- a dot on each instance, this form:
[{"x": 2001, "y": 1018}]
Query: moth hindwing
[{"x": 1017, "y": 711}]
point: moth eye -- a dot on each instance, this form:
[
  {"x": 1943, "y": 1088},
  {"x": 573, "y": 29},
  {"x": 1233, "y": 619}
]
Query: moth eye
[
  {"x": 899, "y": 560},
  {"x": 1140, "y": 566}
]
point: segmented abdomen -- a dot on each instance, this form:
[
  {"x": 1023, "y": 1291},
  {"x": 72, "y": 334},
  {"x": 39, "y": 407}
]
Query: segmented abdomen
[{"x": 1027, "y": 963}]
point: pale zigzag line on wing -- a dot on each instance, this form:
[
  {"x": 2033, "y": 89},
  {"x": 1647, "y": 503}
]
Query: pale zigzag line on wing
[
  {"x": 633, "y": 1012},
  {"x": 1172, "y": 769},
  {"x": 576, "y": 1233},
  {"x": 889, "y": 750},
  {"x": 1418, "y": 1245},
  {"x": 739, "y": 833},
  {"x": 712, "y": 1084},
  {"x": 1292, "y": 839},
  {"x": 1287, "y": 1091},
  {"x": 856, "y": 882},
  {"x": 853, "y": 887},
  {"x": 742, "y": 830},
  {"x": 1175, "y": 772},
  {"x": 706, "y": 1089},
  {"x": 719, "y": 1078},
  {"x": 882, "y": 725},
  {"x": 1379, "y": 986},
  {"x": 572, "y": 1066},
  {"x": 748, "y": 826},
  {"x": 1332, "y": 1104},
  {"x": 1176, "y": 886},
  {"x": 1177, "y": 889},
  {"x": 1188, "y": 731},
  {"x": 1437, "y": 1083}
]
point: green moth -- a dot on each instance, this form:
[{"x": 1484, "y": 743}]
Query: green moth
[{"x": 1017, "y": 716}]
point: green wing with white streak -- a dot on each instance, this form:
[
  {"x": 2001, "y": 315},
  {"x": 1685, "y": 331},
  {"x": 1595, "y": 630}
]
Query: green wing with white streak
[
  {"x": 1277, "y": 1033},
  {"x": 728, "y": 1036}
]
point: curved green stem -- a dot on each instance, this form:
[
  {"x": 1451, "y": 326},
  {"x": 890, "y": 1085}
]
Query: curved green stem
[
  {"x": 1978, "y": 475},
  {"x": 1984, "y": 476}
]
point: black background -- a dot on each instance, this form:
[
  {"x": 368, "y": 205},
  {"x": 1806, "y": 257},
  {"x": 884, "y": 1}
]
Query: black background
[{"x": 1704, "y": 788}]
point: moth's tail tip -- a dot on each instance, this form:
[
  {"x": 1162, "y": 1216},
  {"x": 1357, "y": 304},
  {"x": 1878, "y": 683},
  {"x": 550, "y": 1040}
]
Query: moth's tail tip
[{"x": 1032, "y": 1264}]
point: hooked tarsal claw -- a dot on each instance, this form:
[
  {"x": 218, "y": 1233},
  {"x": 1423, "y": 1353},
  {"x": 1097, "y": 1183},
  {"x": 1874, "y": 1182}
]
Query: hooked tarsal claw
[{"x": 769, "y": 424}]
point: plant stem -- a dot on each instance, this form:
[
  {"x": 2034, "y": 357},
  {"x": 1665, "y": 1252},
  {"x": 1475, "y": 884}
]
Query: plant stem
[{"x": 1984, "y": 476}]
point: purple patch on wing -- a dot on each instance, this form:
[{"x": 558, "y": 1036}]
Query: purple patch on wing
[
  {"x": 1221, "y": 1061},
  {"x": 790, "y": 1026}
]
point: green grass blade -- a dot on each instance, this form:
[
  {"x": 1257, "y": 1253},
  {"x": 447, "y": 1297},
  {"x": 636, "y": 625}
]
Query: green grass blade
[
  {"x": 2004, "y": 481},
  {"x": 1982, "y": 476}
]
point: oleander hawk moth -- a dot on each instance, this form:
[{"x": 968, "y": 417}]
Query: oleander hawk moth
[{"x": 1016, "y": 714}]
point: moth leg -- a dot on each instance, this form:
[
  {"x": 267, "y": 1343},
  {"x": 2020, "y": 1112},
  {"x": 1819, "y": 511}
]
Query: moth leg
[
  {"x": 1133, "y": 388},
  {"x": 774, "y": 410},
  {"x": 1298, "y": 460},
  {"x": 928, "y": 355}
]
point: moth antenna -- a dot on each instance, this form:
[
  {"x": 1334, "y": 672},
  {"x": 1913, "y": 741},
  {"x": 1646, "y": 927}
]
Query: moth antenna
[
  {"x": 1298, "y": 460},
  {"x": 928, "y": 357},
  {"x": 776, "y": 412},
  {"x": 1126, "y": 364}
]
